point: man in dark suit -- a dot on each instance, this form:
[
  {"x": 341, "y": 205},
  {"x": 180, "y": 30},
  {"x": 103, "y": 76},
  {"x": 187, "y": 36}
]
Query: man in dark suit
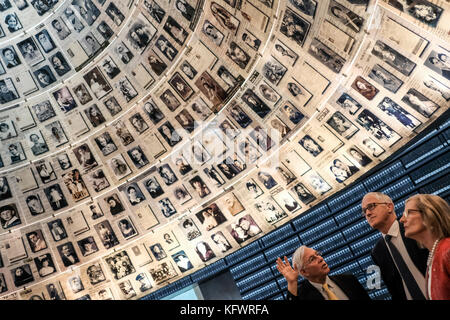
[
  {"x": 318, "y": 285},
  {"x": 402, "y": 263}
]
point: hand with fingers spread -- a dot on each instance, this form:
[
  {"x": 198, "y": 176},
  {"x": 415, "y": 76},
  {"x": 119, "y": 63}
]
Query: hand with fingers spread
[{"x": 289, "y": 273}]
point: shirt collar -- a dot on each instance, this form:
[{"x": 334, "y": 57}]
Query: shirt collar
[{"x": 394, "y": 230}]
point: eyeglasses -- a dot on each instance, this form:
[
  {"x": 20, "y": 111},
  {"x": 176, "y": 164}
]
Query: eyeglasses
[
  {"x": 370, "y": 207},
  {"x": 313, "y": 258},
  {"x": 406, "y": 213}
]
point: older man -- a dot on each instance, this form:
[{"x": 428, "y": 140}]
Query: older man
[
  {"x": 402, "y": 263},
  {"x": 309, "y": 264}
]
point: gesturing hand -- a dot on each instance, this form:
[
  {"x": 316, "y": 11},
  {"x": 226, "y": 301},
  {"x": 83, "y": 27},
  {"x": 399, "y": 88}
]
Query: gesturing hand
[{"x": 286, "y": 270}]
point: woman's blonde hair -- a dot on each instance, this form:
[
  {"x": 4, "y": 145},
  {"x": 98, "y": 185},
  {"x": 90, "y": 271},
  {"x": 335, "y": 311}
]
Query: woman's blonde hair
[{"x": 435, "y": 213}]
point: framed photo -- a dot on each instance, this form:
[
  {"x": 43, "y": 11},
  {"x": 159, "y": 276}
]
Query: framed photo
[
  {"x": 238, "y": 55},
  {"x": 45, "y": 40},
  {"x": 438, "y": 62},
  {"x": 43, "y": 110},
  {"x": 133, "y": 193},
  {"x": 155, "y": 10},
  {"x": 182, "y": 261},
  {"x": 16, "y": 153},
  {"x": 212, "y": 33},
  {"x": 190, "y": 229},
  {"x": 22, "y": 275},
  {"x": 166, "y": 48},
  {"x": 251, "y": 40},
  {"x": 188, "y": 70},
  {"x": 85, "y": 157},
  {"x": 225, "y": 19},
  {"x": 345, "y": 16},
  {"x": 140, "y": 33},
  {"x": 372, "y": 147},
  {"x": 123, "y": 53},
  {"x": 7, "y": 129},
  {"x": 344, "y": 127},
  {"x": 169, "y": 134},
  {"x": 30, "y": 51},
  {"x": 326, "y": 56},
  {"x": 138, "y": 123},
  {"x": 273, "y": 70},
  {"x": 68, "y": 254},
  {"x": 175, "y": 30},
  {"x": 65, "y": 99},
  {"x": 123, "y": 133},
  {"x": 211, "y": 217},
  {"x": 181, "y": 86},
  {"x": 315, "y": 181},
  {"x": 120, "y": 265},
  {"x": 156, "y": 64},
  {"x": 385, "y": 78},
  {"x": 8, "y": 91},
  {"x": 210, "y": 88},
  {"x": 393, "y": 58},
  {"x": 166, "y": 207},
  {"x": 342, "y": 169},
  {"x": 138, "y": 157},
  {"x": 57, "y": 230},
  {"x": 358, "y": 156},
  {"x": 112, "y": 106},
  {"x": 422, "y": 10},
  {"x": 186, "y": 120},
  {"x": 10, "y": 57},
  {"x": 60, "y": 64},
  {"x": 394, "y": 110},
  {"x": 377, "y": 128},
  {"x": 12, "y": 22},
  {"x": 243, "y": 229},
  {"x": 60, "y": 28},
  {"x": 127, "y": 90},
  {"x": 55, "y": 197},
  {"x": 420, "y": 103},
  {"x": 181, "y": 194},
  {"x": 97, "y": 83},
  {"x": 127, "y": 228},
  {"x": 56, "y": 133},
  {"x": 119, "y": 166},
  {"x": 82, "y": 94},
  {"x": 348, "y": 103},
  {"x": 294, "y": 27},
  {"x": 105, "y": 30},
  {"x": 106, "y": 234},
  {"x": 98, "y": 180},
  {"x": 76, "y": 185},
  {"x": 303, "y": 194},
  {"x": 90, "y": 44},
  {"x": 87, "y": 246},
  {"x": 362, "y": 86},
  {"x": 153, "y": 187}
]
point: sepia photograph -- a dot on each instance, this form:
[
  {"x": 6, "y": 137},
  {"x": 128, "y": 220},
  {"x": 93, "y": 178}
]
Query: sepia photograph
[
  {"x": 385, "y": 78},
  {"x": 420, "y": 103}
]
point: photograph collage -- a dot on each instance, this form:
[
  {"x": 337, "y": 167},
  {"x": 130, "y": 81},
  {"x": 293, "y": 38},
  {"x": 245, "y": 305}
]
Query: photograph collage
[{"x": 144, "y": 140}]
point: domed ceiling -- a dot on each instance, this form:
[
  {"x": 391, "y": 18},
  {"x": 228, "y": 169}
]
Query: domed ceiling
[{"x": 144, "y": 140}]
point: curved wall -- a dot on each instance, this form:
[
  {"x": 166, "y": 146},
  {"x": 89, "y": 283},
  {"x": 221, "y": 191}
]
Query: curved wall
[{"x": 144, "y": 140}]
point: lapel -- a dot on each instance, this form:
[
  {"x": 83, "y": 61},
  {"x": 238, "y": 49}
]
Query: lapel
[
  {"x": 342, "y": 284},
  {"x": 308, "y": 292}
]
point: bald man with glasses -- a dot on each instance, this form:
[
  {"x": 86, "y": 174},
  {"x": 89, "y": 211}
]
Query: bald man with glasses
[
  {"x": 402, "y": 263},
  {"x": 309, "y": 263}
]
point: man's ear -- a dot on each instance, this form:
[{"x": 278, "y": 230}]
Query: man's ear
[{"x": 303, "y": 272}]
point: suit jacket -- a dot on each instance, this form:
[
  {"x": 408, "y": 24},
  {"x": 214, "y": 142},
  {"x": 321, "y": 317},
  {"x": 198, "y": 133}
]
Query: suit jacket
[
  {"x": 347, "y": 282},
  {"x": 389, "y": 273}
]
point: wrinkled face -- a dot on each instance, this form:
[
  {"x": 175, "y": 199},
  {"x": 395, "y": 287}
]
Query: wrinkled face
[
  {"x": 414, "y": 224},
  {"x": 313, "y": 264}
]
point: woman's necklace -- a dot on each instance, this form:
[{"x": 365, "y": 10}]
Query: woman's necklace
[{"x": 431, "y": 254}]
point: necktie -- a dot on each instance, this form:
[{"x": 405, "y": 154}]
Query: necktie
[
  {"x": 330, "y": 294},
  {"x": 406, "y": 275}
]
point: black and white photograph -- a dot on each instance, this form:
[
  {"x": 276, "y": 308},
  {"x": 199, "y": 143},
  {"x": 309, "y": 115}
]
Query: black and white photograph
[
  {"x": 110, "y": 67},
  {"x": 251, "y": 40},
  {"x": 175, "y": 30},
  {"x": 75, "y": 22},
  {"x": 60, "y": 28},
  {"x": 56, "y": 133},
  {"x": 10, "y": 57},
  {"x": 268, "y": 93},
  {"x": 385, "y": 78},
  {"x": 169, "y": 133},
  {"x": 140, "y": 33},
  {"x": 396, "y": 111},
  {"x": 199, "y": 186},
  {"x": 342, "y": 125},
  {"x": 115, "y": 14},
  {"x": 94, "y": 115},
  {"x": 36, "y": 241},
  {"x": 60, "y": 64},
  {"x": 106, "y": 234},
  {"x": 372, "y": 147},
  {"x": 115, "y": 206},
  {"x": 308, "y": 7},
  {"x": 16, "y": 153},
  {"x": 393, "y": 58},
  {"x": 37, "y": 143},
  {"x": 358, "y": 156},
  {"x": 9, "y": 216},
  {"x": 119, "y": 166},
  {"x": 87, "y": 10},
  {"x": 65, "y": 99},
  {"x": 123, "y": 133},
  {"x": 348, "y": 103},
  {"x": 345, "y": 16},
  {"x": 190, "y": 229},
  {"x": 303, "y": 194},
  {"x": 153, "y": 187},
  {"x": 225, "y": 19},
  {"x": 188, "y": 70},
  {"x": 170, "y": 100},
  {"x": 138, "y": 157},
  {"x": 127, "y": 90},
  {"x": 75, "y": 185},
  {"x": 204, "y": 251},
  {"x": 342, "y": 169},
  {"x": 97, "y": 83},
  {"x": 5, "y": 5},
  {"x": 273, "y": 70},
  {"x": 98, "y": 180},
  {"x": 120, "y": 264},
  {"x": 326, "y": 56},
  {"x": 181, "y": 86},
  {"x": 156, "y": 64},
  {"x": 105, "y": 30},
  {"x": 167, "y": 174},
  {"x": 127, "y": 228},
  {"x": 30, "y": 51},
  {"x": 270, "y": 211},
  {"x": 133, "y": 194},
  {"x": 229, "y": 78},
  {"x": 82, "y": 93},
  {"x": 8, "y": 91},
  {"x": 123, "y": 53},
  {"x": 221, "y": 241},
  {"x": 310, "y": 145},
  {"x": 12, "y": 22},
  {"x": 138, "y": 123},
  {"x": 144, "y": 282},
  {"x": 34, "y": 204},
  {"x": 45, "y": 265},
  {"x": 43, "y": 110},
  {"x": 181, "y": 194},
  {"x": 166, "y": 48},
  {"x": 182, "y": 165},
  {"x": 164, "y": 271},
  {"x": 294, "y": 27},
  {"x": 5, "y": 189},
  {"x": 238, "y": 55},
  {"x": 166, "y": 207},
  {"x": 112, "y": 106},
  {"x": 182, "y": 261},
  {"x": 317, "y": 182},
  {"x": 45, "y": 171},
  {"x": 292, "y": 113},
  {"x": 155, "y": 10},
  {"x": 201, "y": 109},
  {"x": 379, "y": 129},
  {"x": 420, "y": 103},
  {"x": 85, "y": 157},
  {"x": 7, "y": 129},
  {"x": 68, "y": 254},
  {"x": 158, "y": 251},
  {"x": 55, "y": 197},
  {"x": 439, "y": 62},
  {"x": 210, "y": 88},
  {"x": 45, "y": 40},
  {"x": 212, "y": 33},
  {"x": 186, "y": 120},
  {"x": 211, "y": 217},
  {"x": 57, "y": 230},
  {"x": 22, "y": 275},
  {"x": 90, "y": 44},
  {"x": 95, "y": 274},
  {"x": 422, "y": 10},
  {"x": 41, "y": 7},
  {"x": 244, "y": 229}
]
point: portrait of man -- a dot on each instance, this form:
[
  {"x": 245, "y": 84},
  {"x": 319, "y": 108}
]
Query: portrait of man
[
  {"x": 138, "y": 157},
  {"x": 9, "y": 216},
  {"x": 68, "y": 254}
]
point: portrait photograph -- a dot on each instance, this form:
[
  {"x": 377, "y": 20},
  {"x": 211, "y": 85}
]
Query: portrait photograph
[
  {"x": 181, "y": 86},
  {"x": 204, "y": 251},
  {"x": 394, "y": 110},
  {"x": 273, "y": 70},
  {"x": 294, "y": 27},
  {"x": 422, "y": 10},
  {"x": 175, "y": 30},
  {"x": 439, "y": 62},
  {"x": 153, "y": 111},
  {"x": 123, "y": 53},
  {"x": 22, "y": 275},
  {"x": 188, "y": 70},
  {"x": 420, "y": 103},
  {"x": 97, "y": 83},
  {"x": 303, "y": 194},
  {"x": 85, "y": 157},
  {"x": 385, "y": 78},
  {"x": 285, "y": 53},
  {"x": 98, "y": 180},
  {"x": 363, "y": 87},
  {"x": 393, "y": 58},
  {"x": 105, "y": 30},
  {"x": 5, "y": 189},
  {"x": 212, "y": 33},
  {"x": 326, "y": 56},
  {"x": 243, "y": 229},
  {"x": 112, "y": 106},
  {"x": 310, "y": 145},
  {"x": 7, "y": 129},
  {"x": 114, "y": 204},
  {"x": 223, "y": 17},
  {"x": 43, "y": 110},
  {"x": 342, "y": 125},
  {"x": 9, "y": 216},
  {"x": 57, "y": 230},
  {"x": 55, "y": 197},
  {"x": 12, "y": 22},
  {"x": 60, "y": 64},
  {"x": 164, "y": 271},
  {"x": 292, "y": 113},
  {"x": 127, "y": 228},
  {"x": 90, "y": 44},
  {"x": 186, "y": 120},
  {"x": 65, "y": 99},
  {"x": 348, "y": 103},
  {"x": 345, "y": 16},
  {"x": 16, "y": 153},
  {"x": 153, "y": 187},
  {"x": 60, "y": 27},
  {"x": 56, "y": 133},
  {"x": 342, "y": 169},
  {"x": 271, "y": 211},
  {"x": 45, "y": 40},
  {"x": 372, "y": 147},
  {"x": 45, "y": 265},
  {"x": 358, "y": 156},
  {"x": 8, "y": 91},
  {"x": 138, "y": 123},
  {"x": 138, "y": 157},
  {"x": 140, "y": 33},
  {"x": 268, "y": 93},
  {"x": 251, "y": 40},
  {"x": 45, "y": 171},
  {"x": 120, "y": 264},
  {"x": 37, "y": 143},
  {"x": 166, "y": 207},
  {"x": 133, "y": 193},
  {"x": 30, "y": 51},
  {"x": 123, "y": 133},
  {"x": 169, "y": 133},
  {"x": 210, "y": 88},
  {"x": 68, "y": 254},
  {"x": 106, "y": 234},
  {"x": 76, "y": 185},
  {"x": 181, "y": 194},
  {"x": 10, "y": 57},
  {"x": 127, "y": 90},
  {"x": 82, "y": 93},
  {"x": 377, "y": 128},
  {"x": 44, "y": 76},
  {"x": 182, "y": 261},
  {"x": 109, "y": 67},
  {"x": 238, "y": 55},
  {"x": 211, "y": 217},
  {"x": 316, "y": 182},
  {"x": 166, "y": 48},
  {"x": 155, "y": 10},
  {"x": 119, "y": 166},
  {"x": 157, "y": 65}
]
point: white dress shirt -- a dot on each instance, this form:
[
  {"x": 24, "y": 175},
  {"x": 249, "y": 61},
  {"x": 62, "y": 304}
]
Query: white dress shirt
[{"x": 397, "y": 240}]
